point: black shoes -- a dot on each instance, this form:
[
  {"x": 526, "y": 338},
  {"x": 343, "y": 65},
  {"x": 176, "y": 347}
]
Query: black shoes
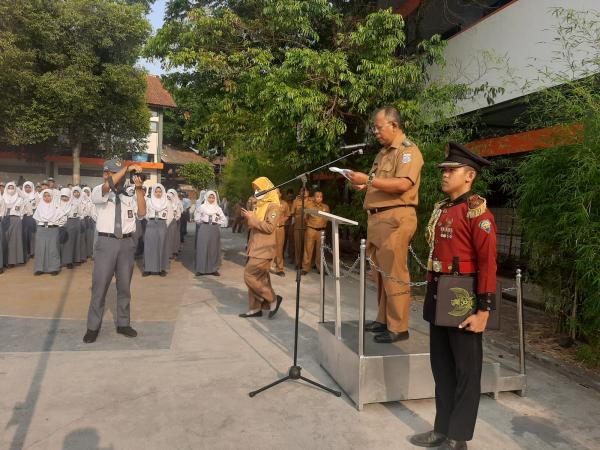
[
  {"x": 281, "y": 274},
  {"x": 54, "y": 273},
  {"x": 304, "y": 272},
  {"x": 451, "y": 444},
  {"x": 216, "y": 274},
  {"x": 69, "y": 266},
  {"x": 90, "y": 336},
  {"x": 272, "y": 313},
  {"x": 37, "y": 273},
  {"x": 388, "y": 337},
  {"x": 376, "y": 327},
  {"x": 256, "y": 314},
  {"x": 145, "y": 274},
  {"x": 163, "y": 273},
  {"x": 127, "y": 331},
  {"x": 428, "y": 439}
]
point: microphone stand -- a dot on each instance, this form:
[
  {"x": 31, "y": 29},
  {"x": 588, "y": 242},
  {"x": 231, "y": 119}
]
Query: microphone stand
[{"x": 295, "y": 371}]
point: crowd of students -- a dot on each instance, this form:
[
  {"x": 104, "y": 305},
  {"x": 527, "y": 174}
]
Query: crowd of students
[{"x": 57, "y": 227}]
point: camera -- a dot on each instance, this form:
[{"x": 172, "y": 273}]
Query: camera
[{"x": 141, "y": 175}]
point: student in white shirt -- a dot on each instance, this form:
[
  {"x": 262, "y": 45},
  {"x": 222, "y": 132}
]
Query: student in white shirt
[
  {"x": 12, "y": 225},
  {"x": 48, "y": 219},
  {"x": 159, "y": 215},
  {"x": 115, "y": 247},
  {"x": 209, "y": 217}
]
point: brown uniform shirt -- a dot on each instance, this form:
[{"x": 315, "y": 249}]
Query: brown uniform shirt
[
  {"x": 401, "y": 159},
  {"x": 297, "y": 208},
  {"x": 284, "y": 213},
  {"x": 262, "y": 243},
  {"x": 316, "y": 221}
]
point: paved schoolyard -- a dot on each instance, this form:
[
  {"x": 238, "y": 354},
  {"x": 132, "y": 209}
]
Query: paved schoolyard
[{"x": 183, "y": 383}]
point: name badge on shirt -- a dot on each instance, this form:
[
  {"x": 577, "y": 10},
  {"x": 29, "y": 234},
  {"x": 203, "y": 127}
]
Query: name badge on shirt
[
  {"x": 17, "y": 208},
  {"x": 164, "y": 215},
  {"x": 130, "y": 214}
]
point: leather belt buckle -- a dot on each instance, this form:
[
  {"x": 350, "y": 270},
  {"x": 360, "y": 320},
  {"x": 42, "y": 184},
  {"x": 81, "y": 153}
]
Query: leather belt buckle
[{"x": 437, "y": 266}]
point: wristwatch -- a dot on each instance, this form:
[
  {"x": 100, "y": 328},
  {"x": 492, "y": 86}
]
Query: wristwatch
[{"x": 370, "y": 179}]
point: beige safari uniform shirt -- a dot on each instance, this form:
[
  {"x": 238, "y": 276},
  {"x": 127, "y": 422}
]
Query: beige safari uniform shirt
[{"x": 401, "y": 159}]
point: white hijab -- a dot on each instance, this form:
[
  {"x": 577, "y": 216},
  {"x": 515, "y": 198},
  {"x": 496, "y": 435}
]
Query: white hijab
[
  {"x": 47, "y": 212},
  {"x": 65, "y": 207},
  {"x": 76, "y": 201},
  {"x": 86, "y": 195},
  {"x": 174, "y": 197},
  {"x": 31, "y": 195},
  {"x": 158, "y": 204},
  {"x": 210, "y": 208},
  {"x": 12, "y": 200}
]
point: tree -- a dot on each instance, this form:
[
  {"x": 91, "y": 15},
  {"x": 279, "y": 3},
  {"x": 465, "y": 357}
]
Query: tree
[
  {"x": 67, "y": 71},
  {"x": 201, "y": 175},
  {"x": 294, "y": 78}
]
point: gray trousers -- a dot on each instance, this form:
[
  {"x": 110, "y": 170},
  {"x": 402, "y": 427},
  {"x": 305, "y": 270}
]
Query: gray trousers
[{"x": 111, "y": 257}]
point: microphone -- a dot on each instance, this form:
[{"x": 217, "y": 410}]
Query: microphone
[
  {"x": 355, "y": 146},
  {"x": 261, "y": 193}
]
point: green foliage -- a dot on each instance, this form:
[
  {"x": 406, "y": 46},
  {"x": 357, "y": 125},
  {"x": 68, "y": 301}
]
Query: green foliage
[
  {"x": 67, "y": 74},
  {"x": 557, "y": 191},
  {"x": 201, "y": 175}
]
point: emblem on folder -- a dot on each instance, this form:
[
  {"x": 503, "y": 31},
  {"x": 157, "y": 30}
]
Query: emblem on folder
[{"x": 462, "y": 304}]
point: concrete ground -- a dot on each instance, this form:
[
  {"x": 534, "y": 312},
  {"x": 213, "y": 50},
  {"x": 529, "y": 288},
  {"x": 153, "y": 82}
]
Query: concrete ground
[{"x": 183, "y": 383}]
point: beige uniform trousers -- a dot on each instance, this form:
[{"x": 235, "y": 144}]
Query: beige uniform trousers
[
  {"x": 280, "y": 242},
  {"x": 312, "y": 244},
  {"x": 256, "y": 277},
  {"x": 388, "y": 236}
]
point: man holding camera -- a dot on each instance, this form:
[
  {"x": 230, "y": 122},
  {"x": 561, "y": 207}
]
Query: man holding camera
[{"x": 115, "y": 248}]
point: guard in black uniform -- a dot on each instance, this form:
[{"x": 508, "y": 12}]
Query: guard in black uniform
[{"x": 462, "y": 236}]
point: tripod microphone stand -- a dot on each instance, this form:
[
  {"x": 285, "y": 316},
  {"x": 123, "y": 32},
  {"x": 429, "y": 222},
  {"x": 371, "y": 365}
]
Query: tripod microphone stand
[{"x": 295, "y": 371}]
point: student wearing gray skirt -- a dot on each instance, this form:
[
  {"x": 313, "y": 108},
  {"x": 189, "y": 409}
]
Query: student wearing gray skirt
[
  {"x": 48, "y": 219},
  {"x": 209, "y": 217},
  {"x": 156, "y": 242},
  {"x": 12, "y": 226},
  {"x": 71, "y": 231}
]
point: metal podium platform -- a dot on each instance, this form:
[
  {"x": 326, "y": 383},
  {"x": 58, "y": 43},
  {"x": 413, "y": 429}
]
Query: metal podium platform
[{"x": 369, "y": 372}]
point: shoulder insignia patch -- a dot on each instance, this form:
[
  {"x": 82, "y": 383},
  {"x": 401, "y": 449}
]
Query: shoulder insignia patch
[
  {"x": 486, "y": 225},
  {"x": 406, "y": 158},
  {"x": 477, "y": 206}
]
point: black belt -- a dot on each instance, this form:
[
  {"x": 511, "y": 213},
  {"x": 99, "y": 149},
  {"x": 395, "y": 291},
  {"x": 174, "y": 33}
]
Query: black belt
[
  {"x": 45, "y": 225},
  {"x": 110, "y": 235},
  {"x": 156, "y": 218},
  {"x": 386, "y": 208},
  {"x": 210, "y": 223},
  {"x": 318, "y": 229}
]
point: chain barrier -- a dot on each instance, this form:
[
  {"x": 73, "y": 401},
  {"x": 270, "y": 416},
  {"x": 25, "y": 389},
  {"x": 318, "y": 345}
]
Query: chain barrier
[
  {"x": 419, "y": 262},
  {"x": 352, "y": 268}
]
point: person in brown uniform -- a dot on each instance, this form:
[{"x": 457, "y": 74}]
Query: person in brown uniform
[
  {"x": 238, "y": 220},
  {"x": 312, "y": 236},
  {"x": 297, "y": 217},
  {"x": 392, "y": 195},
  {"x": 289, "y": 229},
  {"x": 284, "y": 214},
  {"x": 262, "y": 223}
]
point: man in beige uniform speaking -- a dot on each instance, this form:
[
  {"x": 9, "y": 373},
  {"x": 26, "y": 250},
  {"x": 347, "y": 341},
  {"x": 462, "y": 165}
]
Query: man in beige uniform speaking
[{"x": 392, "y": 188}]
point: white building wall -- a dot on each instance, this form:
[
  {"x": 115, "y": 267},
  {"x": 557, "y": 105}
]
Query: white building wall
[{"x": 509, "y": 49}]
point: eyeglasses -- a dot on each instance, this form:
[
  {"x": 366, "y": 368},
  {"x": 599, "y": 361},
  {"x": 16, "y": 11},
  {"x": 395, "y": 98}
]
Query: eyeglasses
[{"x": 378, "y": 128}]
